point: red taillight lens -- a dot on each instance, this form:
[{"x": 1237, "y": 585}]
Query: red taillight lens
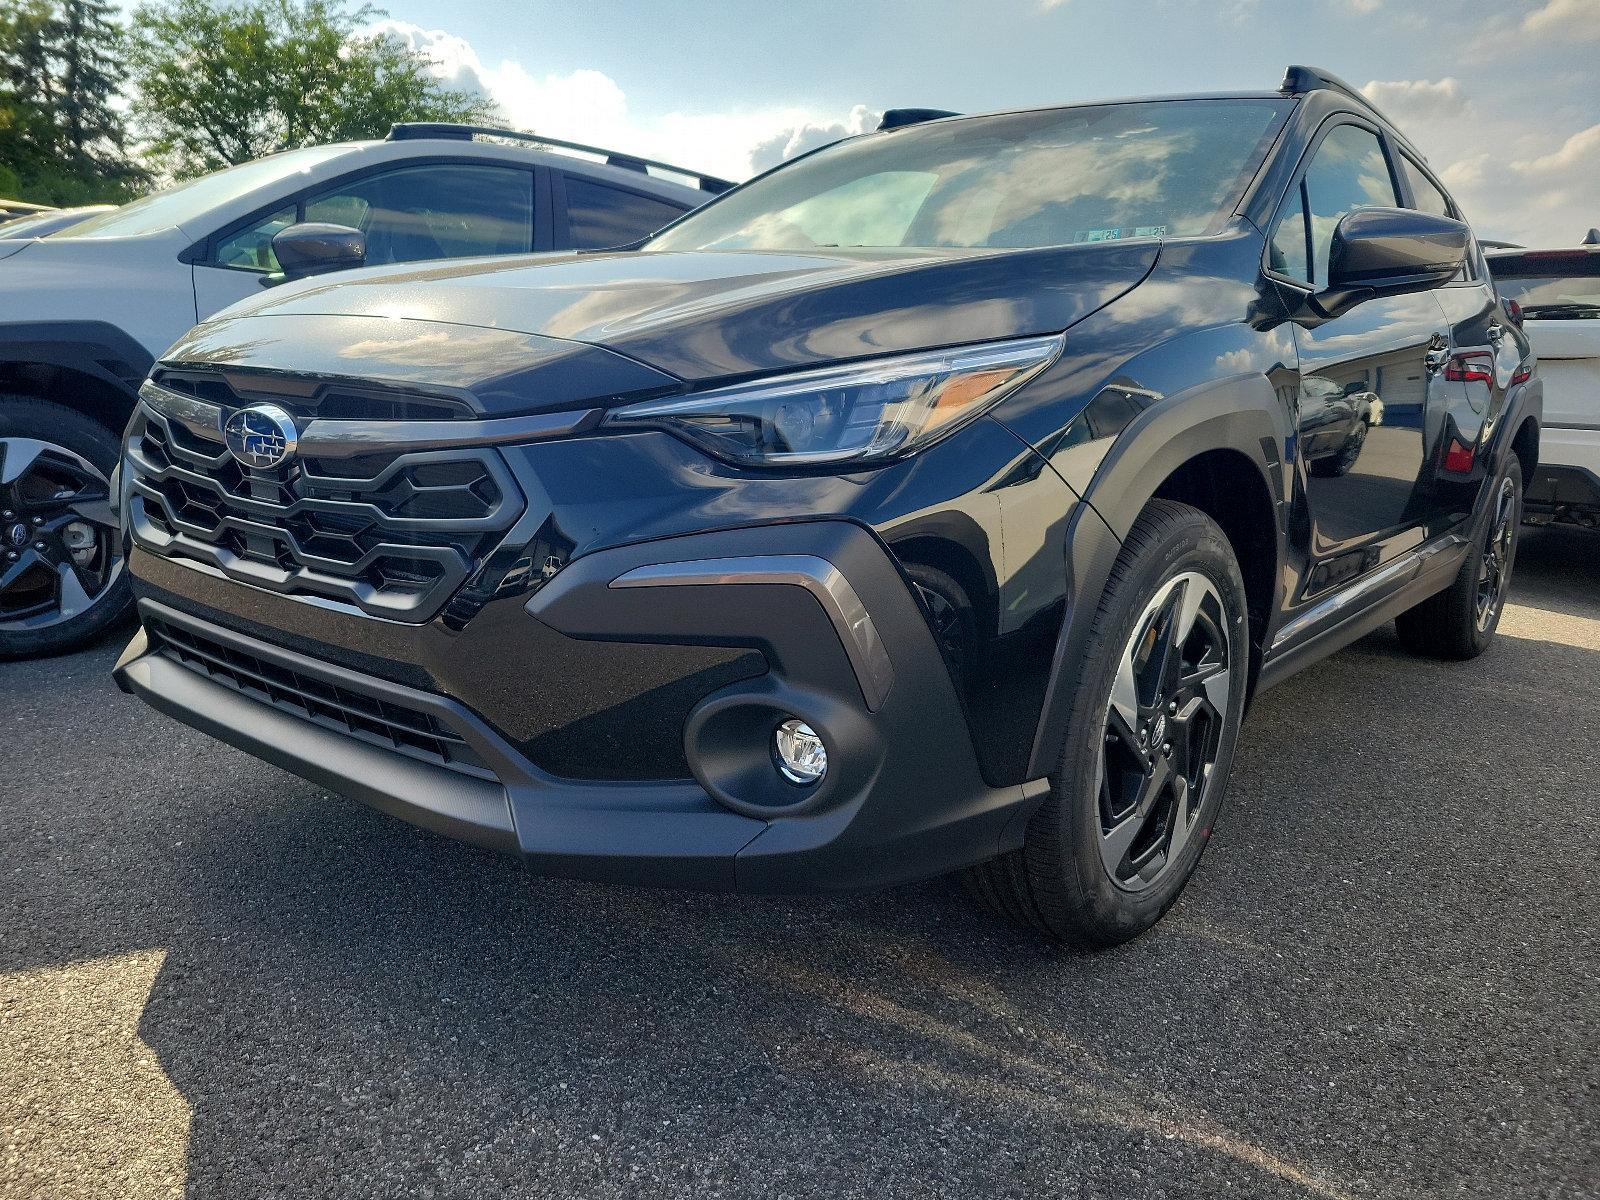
[
  {"x": 1459, "y": 458},
  {"x": 1514, "y": 311},
  {"x": 1524, "y": 373},
  {"x": 1471, "y": 366}
]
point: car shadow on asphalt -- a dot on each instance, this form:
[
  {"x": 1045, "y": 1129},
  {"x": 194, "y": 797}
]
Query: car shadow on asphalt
[{"x": 1350, "y": 1000}]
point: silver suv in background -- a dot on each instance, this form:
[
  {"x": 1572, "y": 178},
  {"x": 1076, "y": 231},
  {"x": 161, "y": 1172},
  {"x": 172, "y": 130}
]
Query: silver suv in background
[
  {"x": 85, "y": 310},
  {"x": 1558, "y": 293}
]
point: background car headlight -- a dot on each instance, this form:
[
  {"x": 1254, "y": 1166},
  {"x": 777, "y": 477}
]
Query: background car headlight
[{"x": 859, "y": 412}]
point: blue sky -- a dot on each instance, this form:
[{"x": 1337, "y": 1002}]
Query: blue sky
[{"x": 1503, "y": 95}]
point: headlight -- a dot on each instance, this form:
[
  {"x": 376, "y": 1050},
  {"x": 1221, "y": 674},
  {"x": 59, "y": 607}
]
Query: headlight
[{"x": 861, "y": 412}]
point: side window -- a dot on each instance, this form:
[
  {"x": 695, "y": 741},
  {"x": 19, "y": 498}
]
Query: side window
[
  {"x": 443, "y": 210},
  {"x": 600, "y": 216},
  {"x": 1350, "y": 171},
  {"x": 251, "y": 249},
  {"x": 1289, "y": 252},
  {"x": 1428, "y": 197}
]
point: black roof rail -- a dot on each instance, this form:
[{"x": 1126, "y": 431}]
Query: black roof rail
[
  {"x": 1298, "y": 80},
  {"x": 894, "y": 118},
  {"x": 416, "y": 130}
]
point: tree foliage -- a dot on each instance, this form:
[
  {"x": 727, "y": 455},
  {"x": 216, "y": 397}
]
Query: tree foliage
[
  {"x": 223, "y": 83},
  {"x": 62, "y": 138}
]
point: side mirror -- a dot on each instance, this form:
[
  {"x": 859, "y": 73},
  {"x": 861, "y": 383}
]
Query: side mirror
[
  {"x": 1389, "y": 252},
  {"x": 315, "y": 248}
]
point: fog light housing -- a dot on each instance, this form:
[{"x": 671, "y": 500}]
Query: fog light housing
[{"x": 801, "y": 756}]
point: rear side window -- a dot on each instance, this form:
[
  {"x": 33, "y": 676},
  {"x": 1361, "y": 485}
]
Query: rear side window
[
  {"x": 1428, "y": 197},
  {"x": 599, "y": 216}
]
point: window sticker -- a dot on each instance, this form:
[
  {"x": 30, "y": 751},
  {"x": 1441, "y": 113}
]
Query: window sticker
[
  {"x": 1150, "y": 231},
  {"x": 1097, "y": 235}
]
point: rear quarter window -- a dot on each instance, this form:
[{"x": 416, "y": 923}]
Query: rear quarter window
[{"x": 599, "y": 216}]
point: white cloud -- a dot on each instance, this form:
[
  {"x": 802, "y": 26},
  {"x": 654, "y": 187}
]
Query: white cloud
[
  {"x": 590, "y": 106},
  {"x": 1535, "y": 187},
  {"x": 1570, "y": 20},
  {"x": 1417, "y": 98},
  {"x": 798, "y": 139},
  {"x": 1363, "y": 7}
]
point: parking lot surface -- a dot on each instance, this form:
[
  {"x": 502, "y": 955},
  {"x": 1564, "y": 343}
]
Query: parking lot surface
[{"x": 218, "y": 981}]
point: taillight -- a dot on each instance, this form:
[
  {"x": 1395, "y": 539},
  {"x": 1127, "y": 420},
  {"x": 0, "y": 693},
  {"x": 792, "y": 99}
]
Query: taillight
[
  {"x": 1514, "y": 311},
  {"x": 1459, "y": 458},
  {"x": 1471, "y": 366},
  {"x": 1524, "y": 373}
]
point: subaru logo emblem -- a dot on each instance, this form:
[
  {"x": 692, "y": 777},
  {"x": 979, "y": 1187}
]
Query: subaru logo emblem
[
  {"x": 18, "y": 534},
  {"x": 261, "y": 436}
]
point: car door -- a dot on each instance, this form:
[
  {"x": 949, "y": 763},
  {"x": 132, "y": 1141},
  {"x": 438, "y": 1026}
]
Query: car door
[
  {"x": 1369, "y": 379},
  {"x": 593, "y": 215},
  {"x": 1485, "y": 352},
  {"x": 408, "y": 213}
]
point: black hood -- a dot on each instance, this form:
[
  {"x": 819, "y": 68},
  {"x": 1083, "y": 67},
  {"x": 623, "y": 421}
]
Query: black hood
[{"x": 659, "y": 318}]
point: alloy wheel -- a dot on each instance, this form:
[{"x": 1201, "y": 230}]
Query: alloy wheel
[
  {"x": 1164, "y": 726},
  {"x": 1494, "y": 568},
  {"x": 60, "y": 547}
]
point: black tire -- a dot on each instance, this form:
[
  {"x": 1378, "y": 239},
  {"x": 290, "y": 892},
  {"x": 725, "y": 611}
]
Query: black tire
[
  {"x": 1454, "y": 624},
  {"x": 60, "y": 428},
  {"x": 1059, "y": 883}
]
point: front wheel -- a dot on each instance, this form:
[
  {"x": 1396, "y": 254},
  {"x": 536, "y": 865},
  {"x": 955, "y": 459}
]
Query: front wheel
[
  {"x": 61, "y": 580},
  {"x": 1460, "y": 622},
  {"x": 1149, "y": 745}
]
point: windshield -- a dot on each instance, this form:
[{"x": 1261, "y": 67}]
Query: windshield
[
  {"x": 184, "y": 202},
  {"x": 1099, "y": 173},
  {"x": 1552, "y": 286}
]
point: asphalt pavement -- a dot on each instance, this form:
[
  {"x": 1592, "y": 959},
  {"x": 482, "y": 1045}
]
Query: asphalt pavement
[{"x": 221, "y": 982}]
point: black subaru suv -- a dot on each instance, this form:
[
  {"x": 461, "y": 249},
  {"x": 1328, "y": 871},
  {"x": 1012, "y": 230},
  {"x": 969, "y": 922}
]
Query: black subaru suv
[{"x": 935, "y": 501}]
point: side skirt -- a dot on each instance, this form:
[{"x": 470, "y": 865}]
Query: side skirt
[{"x": 1360, "y": 608}]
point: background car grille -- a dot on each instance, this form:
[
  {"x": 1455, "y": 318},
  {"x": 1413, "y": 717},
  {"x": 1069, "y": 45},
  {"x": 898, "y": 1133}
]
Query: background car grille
[
  {"x": 380, "y": 722},
  {"x": 393, "y": 534}
]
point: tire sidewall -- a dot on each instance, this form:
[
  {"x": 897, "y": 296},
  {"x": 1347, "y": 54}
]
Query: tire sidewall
[
  {"x": 1197, "y": 545},
  {"x": 1512, "y": 472}
]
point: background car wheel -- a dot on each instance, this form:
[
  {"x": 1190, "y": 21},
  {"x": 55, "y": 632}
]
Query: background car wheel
[
  {"x": 1343, "y": 462},
  {"x": 1459, "y": 622},
  {"x": 1149, "y": 745},
  {"x": 61, "y": 577}
]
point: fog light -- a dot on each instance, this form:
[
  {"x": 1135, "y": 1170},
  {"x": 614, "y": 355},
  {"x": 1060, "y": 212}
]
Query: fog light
[{"x": 801, "y": 755}]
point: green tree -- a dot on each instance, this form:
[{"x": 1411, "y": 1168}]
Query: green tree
[
  {"x": 223, "y": 83},
  {"x": 62, "y": 139}
]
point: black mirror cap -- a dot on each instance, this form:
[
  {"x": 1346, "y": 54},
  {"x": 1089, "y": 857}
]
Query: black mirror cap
[
  {"x": 317, "y": 247},
  {"x": 1390, "y": 252}
]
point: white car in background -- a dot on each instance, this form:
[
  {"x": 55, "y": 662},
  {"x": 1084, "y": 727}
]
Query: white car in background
[
  {"x": 1558, "y": 292},
  {"x": 85, "y": 311}
]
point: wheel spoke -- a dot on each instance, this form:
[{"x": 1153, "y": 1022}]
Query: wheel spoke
[
  {"x": 96, "y": 510},
  {"x": 16, "y": 456},
  {"x": 1114, "y": 842},
  {"x": 73, "y": 597},
  {"x": 15, "y": 571},
  {"x": 1125, "y": 694},
  {"x": 1178, "y": 824}
]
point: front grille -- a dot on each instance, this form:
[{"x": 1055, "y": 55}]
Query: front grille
[
  {"x": 379, "y": 722},
  {"x": 393, "y": 534}
]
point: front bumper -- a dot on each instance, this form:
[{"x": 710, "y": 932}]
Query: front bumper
[{"x": 845, "y": 646}]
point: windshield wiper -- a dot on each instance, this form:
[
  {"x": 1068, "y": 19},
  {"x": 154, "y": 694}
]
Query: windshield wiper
[{"x": 1563, "y": 311}]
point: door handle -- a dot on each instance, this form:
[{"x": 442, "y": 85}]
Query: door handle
[{"x": 1436, "y": 358}]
